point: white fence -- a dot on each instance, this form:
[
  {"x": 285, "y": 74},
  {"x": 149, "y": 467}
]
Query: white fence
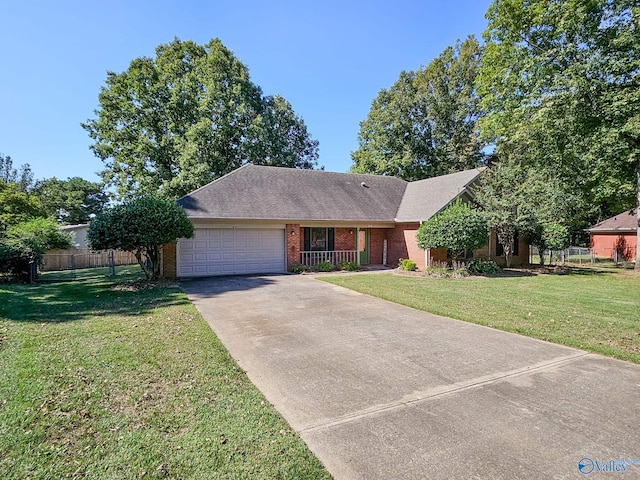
[{"x": 336, "y": 256}]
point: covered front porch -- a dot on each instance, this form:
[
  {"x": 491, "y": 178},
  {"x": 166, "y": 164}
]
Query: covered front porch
[{"x": 312, "y": 245}]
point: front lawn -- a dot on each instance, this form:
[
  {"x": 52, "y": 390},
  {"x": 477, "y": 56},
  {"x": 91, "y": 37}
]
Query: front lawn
[
  {"x": 100, "y": 379},
  {"x": 589, "y": 309}
]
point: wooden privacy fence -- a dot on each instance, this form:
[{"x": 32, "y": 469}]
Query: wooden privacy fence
[{"x": 77, "y": 258}]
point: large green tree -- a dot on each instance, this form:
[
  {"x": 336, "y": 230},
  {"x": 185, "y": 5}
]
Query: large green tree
[
  {"x": 187, "y": 116},
  {"x": 531, "y": 202},
  {"x": 140, "y": 225},
  {"x": 16, "y": 205},
  {"x": 457, "y": 228},
  {"x": 71, "y": 201},
  {"x": 561, "y": 83},
  {"x": 426, "y": 124}
]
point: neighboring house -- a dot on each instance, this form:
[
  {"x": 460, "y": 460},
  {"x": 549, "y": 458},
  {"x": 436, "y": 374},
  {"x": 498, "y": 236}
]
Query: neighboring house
[
  {"x": 616, "y": 237},
  {"x": 260, "y": 219},
  {"x": 78, "y": 234}
]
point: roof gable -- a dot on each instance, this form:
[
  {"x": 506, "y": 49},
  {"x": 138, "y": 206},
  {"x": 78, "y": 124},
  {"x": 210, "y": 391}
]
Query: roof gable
[{"x": 425, "y": 198}]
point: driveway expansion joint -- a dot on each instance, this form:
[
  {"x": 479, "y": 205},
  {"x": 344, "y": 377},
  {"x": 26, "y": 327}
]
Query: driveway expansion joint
[{"x": 427, "y": 395}]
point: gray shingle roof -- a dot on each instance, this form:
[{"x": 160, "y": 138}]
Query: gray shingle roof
[
  {"x": 425, "y": 198},
  {"x": 623, "y": 222},
  {"x": 258, "y": 192},
  {"x": 276, "y": 193}
]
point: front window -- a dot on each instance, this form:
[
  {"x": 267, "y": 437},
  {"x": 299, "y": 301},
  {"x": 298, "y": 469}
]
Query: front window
[{"x": 319, "y": 239}]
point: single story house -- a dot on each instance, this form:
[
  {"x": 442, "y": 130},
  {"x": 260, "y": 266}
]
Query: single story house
[
  {"x": 261, "y": 219},
  {"x": 615, "y": 237}
]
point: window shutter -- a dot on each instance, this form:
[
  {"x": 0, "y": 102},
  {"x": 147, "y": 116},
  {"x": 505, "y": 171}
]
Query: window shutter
[
  {"x": 331, "y": 240},
  {"x": 307, "y": 239}
]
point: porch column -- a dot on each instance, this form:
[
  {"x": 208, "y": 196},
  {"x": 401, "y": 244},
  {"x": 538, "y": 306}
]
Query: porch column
[
  {"x": 292, "y": 240},
  {"x": 358, "y": 245}
]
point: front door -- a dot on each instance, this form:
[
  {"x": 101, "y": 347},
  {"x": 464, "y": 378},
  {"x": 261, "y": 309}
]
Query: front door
[{"x": 363, "y": 245}]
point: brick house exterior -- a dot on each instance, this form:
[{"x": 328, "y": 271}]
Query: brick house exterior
[
  {"x": 616, "y": 237},
  {"x": 267, "y": 219}
]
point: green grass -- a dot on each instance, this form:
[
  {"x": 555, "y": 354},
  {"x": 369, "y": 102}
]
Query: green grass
[
  {"x": 106, "y": 381},
  {"x": 589, "y": 309}
]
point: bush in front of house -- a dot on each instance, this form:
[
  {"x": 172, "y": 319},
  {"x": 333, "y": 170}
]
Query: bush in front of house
[
  {"x": 348, "y": 266},
  {"x": 483, "y": 266},
  {"x": 444, "y": 270},
  {"x": 458, "y": 228},
  {"x": 325, "y": 266},
  {"x": 299, "y": 268},
  {"x": 407, "y": 265}
]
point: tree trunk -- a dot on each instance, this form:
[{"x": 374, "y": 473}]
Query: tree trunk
[
  {"x": 638, "y": 216},
  {"x": 138, "y": 255},
  {"x": 507, "y": 254},
  {"x": 154, "y": 255},
  {"x": 541, "y": 255}
]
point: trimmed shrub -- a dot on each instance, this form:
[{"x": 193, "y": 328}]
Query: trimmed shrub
[
  {"x": 25, "y": 244},
  {"x": 407, "y": 265},
  {"x": 325, "y": 266},
  {"x": 299, "y": 268},
  {"x": 483, "y": 266},
  {"x": 348, "y": 266}
]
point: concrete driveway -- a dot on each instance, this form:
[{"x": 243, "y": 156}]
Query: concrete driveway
[{"x": 382, "y": 391}]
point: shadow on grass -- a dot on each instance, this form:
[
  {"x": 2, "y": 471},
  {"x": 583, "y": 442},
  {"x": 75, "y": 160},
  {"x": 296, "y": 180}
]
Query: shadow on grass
[
  {"x": 571, "y": 270},
  {"x": 88, "y": 297}
]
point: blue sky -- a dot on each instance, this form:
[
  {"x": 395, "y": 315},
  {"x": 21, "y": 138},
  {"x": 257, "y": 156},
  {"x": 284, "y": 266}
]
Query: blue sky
[{"x": 329, "y": 59}]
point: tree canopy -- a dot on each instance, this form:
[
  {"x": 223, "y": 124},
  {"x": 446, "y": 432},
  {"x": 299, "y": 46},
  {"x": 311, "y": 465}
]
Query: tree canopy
[
  {"x": 72, "y": 201},
  {"x": 191, "y": 114},
  {"x": 22, "y": 177},
  {"x": 17, "y": 204},
  {"x": 142, "y": 226},
  {"x": 425, "y": 125},
  {"x": 560, "y": 81},
  {"x": 518, "y": 199}
]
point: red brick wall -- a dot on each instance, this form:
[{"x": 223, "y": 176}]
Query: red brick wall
[
  {"x": 295, "y": 243},
  {"x": 438, "y": 255},
  {"x": 345, "y": 239},
  {"x": 377, "y": 237},
  {"x": 402, "y": 243},
  {"x": 169, "y": 264},
  {"x": 604, "y": 244}
]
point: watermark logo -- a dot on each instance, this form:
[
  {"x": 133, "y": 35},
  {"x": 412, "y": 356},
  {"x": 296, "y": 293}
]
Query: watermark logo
[{"x": 587, "y": 465}]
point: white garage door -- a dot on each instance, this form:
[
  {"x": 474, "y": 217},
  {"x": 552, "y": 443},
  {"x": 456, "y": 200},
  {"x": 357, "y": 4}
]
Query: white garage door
[{"x": 226, "y": 251}]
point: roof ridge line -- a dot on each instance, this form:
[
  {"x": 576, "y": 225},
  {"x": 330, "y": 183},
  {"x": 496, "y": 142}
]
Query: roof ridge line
[{"x": 217, "y": 179}]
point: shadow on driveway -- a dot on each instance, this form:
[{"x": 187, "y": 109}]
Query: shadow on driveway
[{"x": 213, "y": 286}]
